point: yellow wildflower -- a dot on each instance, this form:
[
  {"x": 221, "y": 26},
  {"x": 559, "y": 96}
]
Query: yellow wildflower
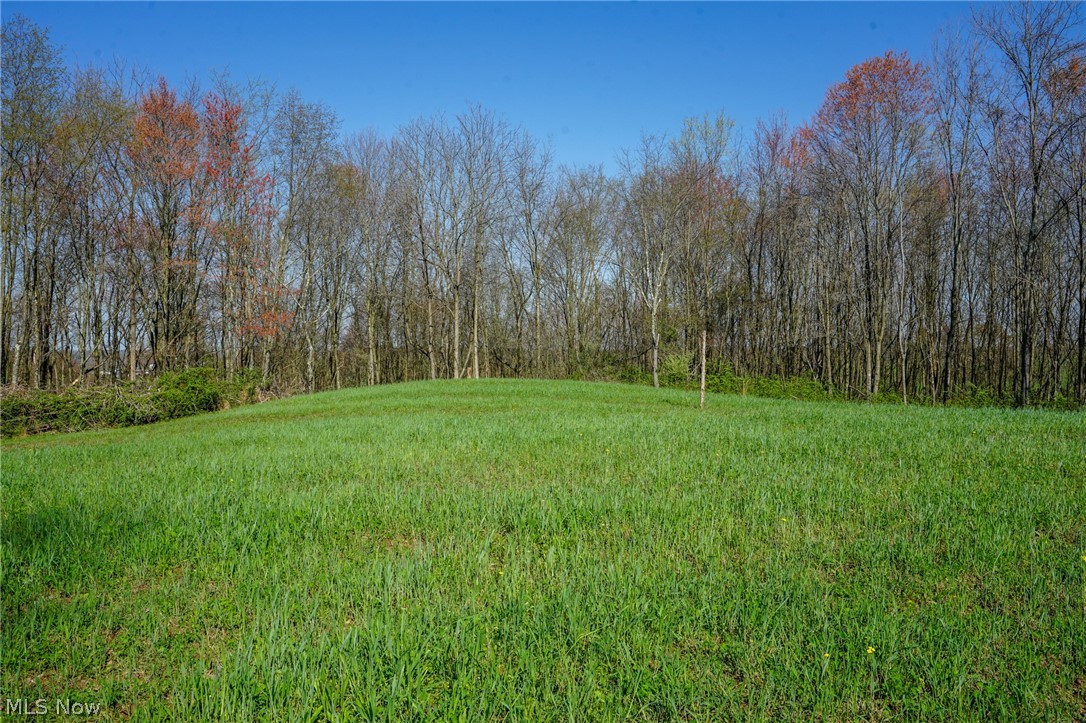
[{"x": 870, "y": 650}]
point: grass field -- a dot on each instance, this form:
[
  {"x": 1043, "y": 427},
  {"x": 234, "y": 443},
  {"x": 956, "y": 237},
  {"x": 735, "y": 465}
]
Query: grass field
[{"x": 520, "y": 550}]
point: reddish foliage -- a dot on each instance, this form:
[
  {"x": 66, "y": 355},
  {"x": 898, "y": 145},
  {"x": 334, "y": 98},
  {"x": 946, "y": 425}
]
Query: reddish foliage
[
  {"x": 268, "y": 324},
  {"x": 229, "y": 157},
  {"x": 1067, "y": 84},
  {"x": 229, "y": 163},
  {"x": 889, "y": 85},
  {"x": 165, "y": 138},
  {"x": 798, "y": 154},
  {"x": 240, "y": 215}
]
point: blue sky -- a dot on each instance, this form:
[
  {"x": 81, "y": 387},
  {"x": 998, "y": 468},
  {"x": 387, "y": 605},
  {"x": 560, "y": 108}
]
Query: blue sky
[{"x": 590, "y": 77}]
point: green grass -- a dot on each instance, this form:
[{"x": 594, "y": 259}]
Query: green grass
[{"x": 521, "y": 550}]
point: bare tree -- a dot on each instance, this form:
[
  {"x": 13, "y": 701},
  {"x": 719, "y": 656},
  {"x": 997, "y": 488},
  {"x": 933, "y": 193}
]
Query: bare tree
[{"x": 1035, "y": 42}]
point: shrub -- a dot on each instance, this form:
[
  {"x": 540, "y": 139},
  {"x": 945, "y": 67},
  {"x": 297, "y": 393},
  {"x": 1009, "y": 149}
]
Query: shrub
[
  {"x": 245, "y": 387},
  {"x": 179, "y": 394},
  {"x": 675, "y": 371},
  {"x": 632, "y": 374},
  {"x": 174, "y": 394}
]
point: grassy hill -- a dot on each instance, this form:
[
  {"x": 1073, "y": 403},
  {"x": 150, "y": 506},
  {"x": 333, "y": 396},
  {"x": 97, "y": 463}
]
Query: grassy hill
[{"x": 551, "y": 550}]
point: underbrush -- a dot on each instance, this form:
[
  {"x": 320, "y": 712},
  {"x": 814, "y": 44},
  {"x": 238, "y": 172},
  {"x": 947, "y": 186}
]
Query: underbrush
[
  {"x": 172, "y": 395},
  {"x": 193, "y": 391},
  {"x": 680, "y": 371}
]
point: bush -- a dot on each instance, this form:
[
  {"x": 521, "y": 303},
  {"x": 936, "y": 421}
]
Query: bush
[
  {"x": 29, "y": 412},
  {"x": 675, "y": 371},
  {"x": 179, "y": 394},
  {"x": 632, "y": 374},
  {"x": 174, "y": 394},
  {"x": 245, "y": 387},
  {"x": 1063, "y": 404},
  {"x": 720, "y": 379}
]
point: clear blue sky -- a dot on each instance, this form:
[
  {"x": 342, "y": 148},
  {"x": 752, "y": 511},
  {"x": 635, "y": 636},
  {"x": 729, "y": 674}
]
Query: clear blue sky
[{"x": 588, "y": 77}]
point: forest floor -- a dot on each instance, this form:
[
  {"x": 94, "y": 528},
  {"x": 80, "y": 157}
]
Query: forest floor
[{"x": 529, "y": 550}]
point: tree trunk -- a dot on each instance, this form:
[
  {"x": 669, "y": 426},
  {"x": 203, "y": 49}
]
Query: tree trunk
[
  {"x": 704, "y": 344},
  {"x": 456, "y": 332},
  {"x": 371, "y": 378},
  {"x": 655, "y": 350},
  {"x": 475, "y": 329},
  {"x": 430, "y": 335},
  {"x": 538, "y": 325}
]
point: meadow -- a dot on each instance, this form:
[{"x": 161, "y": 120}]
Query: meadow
[{"x": 531, "y": 550}]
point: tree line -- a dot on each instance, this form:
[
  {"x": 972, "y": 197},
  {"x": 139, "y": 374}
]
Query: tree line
[{"x": 921, "y": 236}]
